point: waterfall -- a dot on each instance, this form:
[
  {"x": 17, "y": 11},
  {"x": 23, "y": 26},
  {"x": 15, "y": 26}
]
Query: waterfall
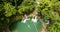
[
  {"x": 25, "y": 19},
  {"x": 34, "y": 19}
]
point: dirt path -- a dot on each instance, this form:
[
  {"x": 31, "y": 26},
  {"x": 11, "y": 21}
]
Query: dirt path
[{"x": 44, "y": 26}]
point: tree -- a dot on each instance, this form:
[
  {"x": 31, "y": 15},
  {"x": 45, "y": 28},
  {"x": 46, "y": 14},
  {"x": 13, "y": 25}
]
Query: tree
[
  {"x": 13, "y": 10},
  {"x": 50, "y": 9}
]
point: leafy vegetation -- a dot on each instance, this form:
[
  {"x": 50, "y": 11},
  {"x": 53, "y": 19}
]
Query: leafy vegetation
[
  {"x": 50, "y": 9},
  {"x": 13, "y": 10}
]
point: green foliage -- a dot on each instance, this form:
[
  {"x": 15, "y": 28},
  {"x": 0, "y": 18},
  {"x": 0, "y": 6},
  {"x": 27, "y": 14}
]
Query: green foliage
[
  {"x": 28, "y": 2},
  {"x": 9, "y": 9},
  {"x": 26, "y": 6},
  {"x": 1, "y": 7},
  {"x": 50, "y": 9},
  {"x": 45, "y": 8},
  {"x": 25, "y": 9},
  {"x": 13, "y": 10}
]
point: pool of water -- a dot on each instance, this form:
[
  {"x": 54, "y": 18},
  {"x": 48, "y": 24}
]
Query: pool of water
[{"x": 27, "y": 26}]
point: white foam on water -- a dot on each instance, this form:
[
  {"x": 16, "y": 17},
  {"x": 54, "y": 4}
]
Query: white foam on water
[
  {"x": 34, "y": 19},
  {"x": 24, "y": 21}
]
